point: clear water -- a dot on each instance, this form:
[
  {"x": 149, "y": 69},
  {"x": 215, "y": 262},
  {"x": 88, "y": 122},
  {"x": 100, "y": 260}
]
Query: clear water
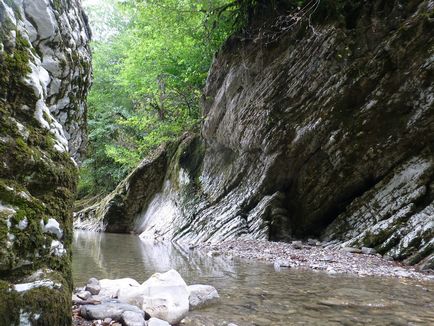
[{"x": 253, "y": 293}]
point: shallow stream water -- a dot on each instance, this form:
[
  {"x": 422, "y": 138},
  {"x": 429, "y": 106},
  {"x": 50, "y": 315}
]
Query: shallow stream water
[{"x": 253, "y": 293}]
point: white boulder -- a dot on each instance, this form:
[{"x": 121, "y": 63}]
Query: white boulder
[
  {"x": 112, "y": 288},
  {"x": 132, "y": 295},
  {"x": 165, "y": 296},
  {"x": 201, "y": 295}
]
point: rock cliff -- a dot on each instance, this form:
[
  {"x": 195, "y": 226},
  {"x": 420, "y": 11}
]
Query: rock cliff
[
  {"x": 44, "y": 78},
  {"x": 322, "y": 126}
]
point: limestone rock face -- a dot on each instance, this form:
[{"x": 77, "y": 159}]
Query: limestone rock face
[
  {"x": 119, "y": 211},
  {"x": 326, "y": 123},
  {"x": 323, "y": 130},
  {"x": 44, "y": 79}
]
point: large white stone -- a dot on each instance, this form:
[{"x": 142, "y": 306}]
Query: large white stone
[
  {"x": 201, "y": 295},
  {"x": 166, "y": 297},
  {"x": 132, "y": 295},
  {"x": 112, "y": 288}
]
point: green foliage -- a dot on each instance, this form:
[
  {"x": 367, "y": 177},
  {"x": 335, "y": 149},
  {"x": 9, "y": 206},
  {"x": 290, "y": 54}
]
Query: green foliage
[{"x": 150, "y": 61}]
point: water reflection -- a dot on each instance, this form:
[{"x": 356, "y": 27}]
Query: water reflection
[
  {"x": 107, "y": 255},
  {"x": 253, "y": 293}
]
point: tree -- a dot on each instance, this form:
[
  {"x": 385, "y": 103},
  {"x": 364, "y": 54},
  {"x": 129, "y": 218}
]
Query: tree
[{"x": 150, "y": 60}]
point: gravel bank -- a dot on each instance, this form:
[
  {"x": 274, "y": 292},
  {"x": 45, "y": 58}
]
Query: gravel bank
[{"x": 316, "y": 257}]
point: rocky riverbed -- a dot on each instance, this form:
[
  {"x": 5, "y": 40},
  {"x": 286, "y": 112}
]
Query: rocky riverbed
[
  {"x": 313, "y": 254},
  {"x": 162, "y": 300}
]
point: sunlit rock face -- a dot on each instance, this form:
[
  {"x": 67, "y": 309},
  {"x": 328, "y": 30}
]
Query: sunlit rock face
[
  {"x": 324, "y": 130},
  {"x": 44, "y": 79}
]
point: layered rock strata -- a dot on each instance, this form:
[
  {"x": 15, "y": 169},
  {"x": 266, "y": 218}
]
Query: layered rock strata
[{"x": 318, "y": 128}]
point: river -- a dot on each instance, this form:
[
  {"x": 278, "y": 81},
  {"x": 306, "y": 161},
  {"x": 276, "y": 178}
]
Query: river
[{"x": 253, "y": 293}]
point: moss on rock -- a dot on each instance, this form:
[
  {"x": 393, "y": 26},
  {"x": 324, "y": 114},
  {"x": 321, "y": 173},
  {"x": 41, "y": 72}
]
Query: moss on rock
[
  {"x": 37, "y": 175},
  {"x": 42, "y": 305}
]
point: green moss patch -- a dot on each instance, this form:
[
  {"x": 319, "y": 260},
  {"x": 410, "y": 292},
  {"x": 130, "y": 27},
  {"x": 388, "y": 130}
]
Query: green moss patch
[{"x": 40, "y": 306}]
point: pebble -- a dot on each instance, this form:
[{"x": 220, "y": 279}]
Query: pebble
[
  {"x": 213, "y": 253},
  {"x": 84, "y": 295},
  {"x": 313, "y": 242},
  {"x": 297, "y": 244},
  {"x": 352, "y": 250},
  {"x": 327, "y": 258},
  {"x": 94, "y": 289},
  {"x": 93, "y": 280},
  {"x": 368, "y": 251},
  {"x": 386, "y": 257},
  {"x": 157, "y": 322}
]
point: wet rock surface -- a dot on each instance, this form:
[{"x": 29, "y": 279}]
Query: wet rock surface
[
  {"x": 202, "y": 295},
  {"x": 113, "y": 310},
  {"x": 163, "y": 299}
]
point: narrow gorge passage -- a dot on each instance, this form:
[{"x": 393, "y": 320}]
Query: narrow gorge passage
[{"x": 224, "y": 162}]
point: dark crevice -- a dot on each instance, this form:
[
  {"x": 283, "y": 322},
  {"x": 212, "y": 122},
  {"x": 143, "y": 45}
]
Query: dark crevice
[{"x": 336, "y": 208}]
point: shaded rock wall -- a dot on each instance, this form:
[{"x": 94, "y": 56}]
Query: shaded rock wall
[
  {"x": 320, "y": 130},
  {"x": 44, "y": 79}
]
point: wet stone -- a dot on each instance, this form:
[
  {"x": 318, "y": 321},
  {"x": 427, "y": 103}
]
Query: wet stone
[
  {"x": 113, "y": 310},
  {"x": 157, "y": 322},
  {"x": 131, "y": 318},
  {"x": 297, "y": 244},
  {"x": 84, "y": 295},
  {"x": 368, "y": 251},
  {"x": 313, "y": 242},
  {"x": 352, "y": 250},
  {"x": 93, "y": 280},
  {"x": 202, "y": 295},
  {"x": 389, "y": 258},
  {"x": 94, "y": 289}
]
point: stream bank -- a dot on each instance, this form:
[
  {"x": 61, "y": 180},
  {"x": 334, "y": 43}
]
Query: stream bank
[
  {"x": 316, "y": 256},
  {"x": 251, "y": 291}
]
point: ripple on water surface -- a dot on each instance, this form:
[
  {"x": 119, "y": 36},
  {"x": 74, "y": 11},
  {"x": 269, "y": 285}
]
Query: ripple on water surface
[{"x": 252, "y": 293}]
